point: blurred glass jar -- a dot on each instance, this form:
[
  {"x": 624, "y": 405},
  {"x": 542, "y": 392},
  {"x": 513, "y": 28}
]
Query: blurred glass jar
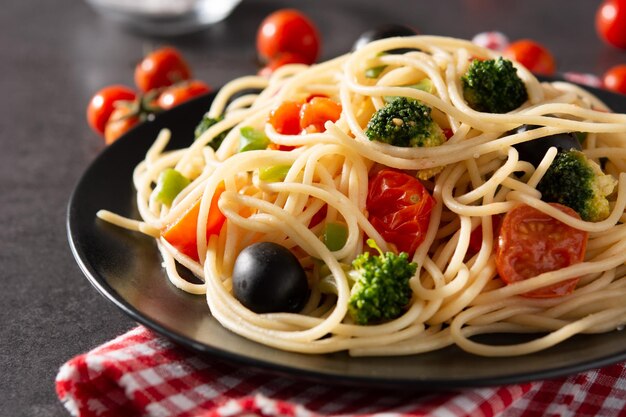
[{"x": 165, "y": 17}]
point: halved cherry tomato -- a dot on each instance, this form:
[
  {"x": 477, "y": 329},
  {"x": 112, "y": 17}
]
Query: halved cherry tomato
[
  {"x": 531, "y": 243},
  {"x": 102, "y": 105},
  {"x": 181, "y": 92},
  {"x": 182, "y": 233},
  {"x": 318, "y": 111},
  {"x": 286, "y": 118},
  {"x": 611, "y": 22},
  {"x": 399, "y": 208},
  {"x": 288, "y": 31},
  {"x": 615, "y": 79},
  {"x": 161, "y": 68},
  {"x": 123, "y": 118},
  {"x": 282, "y": 59},
  {"x": 532, "y": 55}
]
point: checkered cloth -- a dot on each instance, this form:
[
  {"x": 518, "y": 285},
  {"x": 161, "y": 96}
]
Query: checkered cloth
[{"x": 142, "y": 374}]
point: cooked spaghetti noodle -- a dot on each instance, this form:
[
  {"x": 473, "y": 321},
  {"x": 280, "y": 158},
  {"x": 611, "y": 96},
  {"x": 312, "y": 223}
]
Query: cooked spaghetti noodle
[{"x": 477, "y": 174}]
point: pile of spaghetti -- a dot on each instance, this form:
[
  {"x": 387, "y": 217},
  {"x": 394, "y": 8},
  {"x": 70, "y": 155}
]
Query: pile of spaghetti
[{"x": 289, "y": 189}]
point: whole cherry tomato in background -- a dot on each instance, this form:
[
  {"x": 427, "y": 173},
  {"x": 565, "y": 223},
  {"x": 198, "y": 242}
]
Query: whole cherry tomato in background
[
  {"x": 615, "y": 79},
  {"x": 161, "y": 68},
  {"x": 399, "y": 208},
  {"x": 531, "y": 243},
  {"x": 282, "y": 59},
  {"x": 534, "y": 56},
  {"x": 288, "y": 31},
  {"x": 102, "y": 104},
  {"x": 179, "y": 93},
  {"x": 611, "y": 22}
]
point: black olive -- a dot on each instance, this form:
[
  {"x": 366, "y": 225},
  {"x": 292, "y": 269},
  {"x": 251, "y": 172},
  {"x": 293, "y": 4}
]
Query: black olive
[
  {"x": 533, "y": 151},
  {"x": 382, "y": 32},
  {"x": 267, "y": 278}
]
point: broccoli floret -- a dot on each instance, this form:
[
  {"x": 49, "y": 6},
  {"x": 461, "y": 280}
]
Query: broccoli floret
[
  {"x": 205, "y": 124},
  {"x": 493, "y": 86},
  {"x": 405, "y": 122},
  {"x": 381, "y": 291},
  {"x": 577, "y": 182}
]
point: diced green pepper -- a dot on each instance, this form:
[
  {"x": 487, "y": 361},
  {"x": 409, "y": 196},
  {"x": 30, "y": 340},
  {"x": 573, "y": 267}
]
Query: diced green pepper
[
  {"x": 252, "y": 139},
  {"x": 169, "y": 184},
  {"x": 375, "y": 72},
  {"x": 274, "y": 173},
  {"x": 335, "y": 236},
  {"x": 424, "y": 84}
]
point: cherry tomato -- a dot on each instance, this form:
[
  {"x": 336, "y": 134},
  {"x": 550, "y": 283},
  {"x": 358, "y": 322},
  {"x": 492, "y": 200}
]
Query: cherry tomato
[
  {"x": 318, "y": 111},
  {"x": 161, "y": 68},
  {"x": 531, "y": 243},
  {"x": 282, "y": 59},
  {"x": 286, "y": 118},
  {"x": 533, "y": 56},
  {"x": 615, "y": 79},
  {"x": 121, "y": 121},
  {"x": 102, "y": 105},
  {"x": 181, "y": 92},
  {"x": 611, "y": 22},
  {"x": 399, "y": 208},
  {"x": 288, "y": 31}
]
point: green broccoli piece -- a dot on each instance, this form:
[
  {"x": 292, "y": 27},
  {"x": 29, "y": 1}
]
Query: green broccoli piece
[
  {"x": 405, "y": 122},
  {"x": 205, "y": 124},
  {"x": 381, "y": 291},
  {"x": 577, "y": 182},
  {"x": 493, "y": 86}
]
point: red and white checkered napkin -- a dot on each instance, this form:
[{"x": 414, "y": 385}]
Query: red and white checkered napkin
[{"x": 142, "y": 374}]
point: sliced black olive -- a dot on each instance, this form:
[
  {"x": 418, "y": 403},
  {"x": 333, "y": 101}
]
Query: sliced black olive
[
  {"x": 382, "y": 32},
  {"x": 267, "y": 278},
  {"x": 533, "y": 151}
]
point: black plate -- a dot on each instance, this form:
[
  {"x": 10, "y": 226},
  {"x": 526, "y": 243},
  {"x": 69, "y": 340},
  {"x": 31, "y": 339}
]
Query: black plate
[{"x": 126, "y": 268}]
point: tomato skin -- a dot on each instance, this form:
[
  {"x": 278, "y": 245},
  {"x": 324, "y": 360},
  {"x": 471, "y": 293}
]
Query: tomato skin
[
  {"x": 288, "y": 31},
  {"x": 611, "y": 22},
  {"x": 161, "y": 68},
  {"x": 121, "y": 121},
  {"x": 615, "y": 79},
  {"x": 531, "y": 243},
  {"x": 535, "y": 57},
  {"x": 399, "y": 208},
  {"x": 102, "y": 105},
  {"x": 182, "y": 233},
  {"x": 179, "y": 93},
  {"x": 476, "y": 237},
  {"x": 316, "y": 112},
  {"x": 286, "y": 118},
  {"x": 282, "y": 59}
]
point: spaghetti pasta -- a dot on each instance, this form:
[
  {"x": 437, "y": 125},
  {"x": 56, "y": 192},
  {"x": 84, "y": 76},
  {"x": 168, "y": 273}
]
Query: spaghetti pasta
[{"x": 473, "y": 176}]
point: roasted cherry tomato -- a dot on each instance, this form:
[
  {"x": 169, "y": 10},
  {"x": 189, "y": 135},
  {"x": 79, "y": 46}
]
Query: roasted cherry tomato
[
  {"x": 531, "y": 243},
  {"x": 182, "y": 233},
  {"x": 533, "y": 56},
  {"x": 399, "y": 208},
  {"x": 318, "y": 111},
  {"x": 161, "y": 68},
  {"x": 181, "y": 92},
  {"x": 102, "y": 105},
  {"x": 286, "y": 118},
  {"x": 282, "y": 59},
  {"x": 611, "y": 22},
  {"x": 288, "y": 31},
  {"x": 123, "y": 118},
  {"x": 615, "y": 79}
]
